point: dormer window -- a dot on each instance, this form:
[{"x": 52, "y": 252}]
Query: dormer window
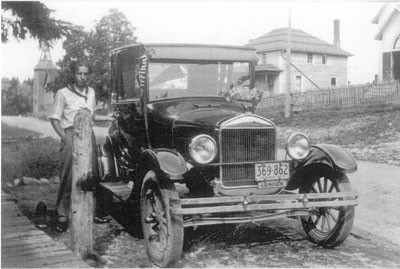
[{"x": 263, "y": 58}]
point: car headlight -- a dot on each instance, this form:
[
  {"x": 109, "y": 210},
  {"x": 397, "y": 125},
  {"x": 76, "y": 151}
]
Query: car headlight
[
  {"x": 298, "y": 146},
  {"x": 203, "y": 149}
]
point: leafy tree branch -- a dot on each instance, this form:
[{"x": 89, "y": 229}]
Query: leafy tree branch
[{"x": 22, "y": 17}]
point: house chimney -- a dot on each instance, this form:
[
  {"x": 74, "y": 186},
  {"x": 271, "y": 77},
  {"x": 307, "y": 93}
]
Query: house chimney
[{"x": 336, "y": 33}]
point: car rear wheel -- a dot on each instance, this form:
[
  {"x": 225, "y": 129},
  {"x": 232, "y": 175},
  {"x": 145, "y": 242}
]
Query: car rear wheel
[
  {"x": 162, "y": 230},
  {"x": 330, "y": 226}
]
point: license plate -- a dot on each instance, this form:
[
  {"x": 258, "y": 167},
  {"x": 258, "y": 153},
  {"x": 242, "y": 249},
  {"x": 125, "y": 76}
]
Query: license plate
[
  {"x": 271, "y": 184},
  {"x": 271, "y": 171}
]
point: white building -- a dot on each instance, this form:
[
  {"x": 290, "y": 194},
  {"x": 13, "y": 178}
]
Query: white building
[
  {"x": 314, "y": 62},
  {"x": 388, "y": 20}
]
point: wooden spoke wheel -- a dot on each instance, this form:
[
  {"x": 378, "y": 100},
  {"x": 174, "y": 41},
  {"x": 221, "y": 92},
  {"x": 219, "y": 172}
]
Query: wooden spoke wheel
[
  {"x": 330, "y": 226},
  {"x": 162, "y": 230}
]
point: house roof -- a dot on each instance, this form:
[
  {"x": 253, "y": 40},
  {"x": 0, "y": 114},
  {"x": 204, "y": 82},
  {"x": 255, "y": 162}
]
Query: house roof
[
  {"x": 263, "y": 68},
  {"x": 375, "y": 20},
  {"x": 45, "y": 65},
  {"x": 384, "y": 22},
  {"x": 300, "y": 42}
]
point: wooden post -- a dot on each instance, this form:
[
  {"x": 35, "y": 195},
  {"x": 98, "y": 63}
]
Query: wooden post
[
  {"x": 82, "y": 200},
  {"x": 288, "y": 52}
]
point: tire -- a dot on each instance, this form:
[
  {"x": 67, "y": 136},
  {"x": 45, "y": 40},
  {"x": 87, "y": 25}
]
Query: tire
[
  {"x": 330, "y": 226},
  {"x": 162, "y": 230}
]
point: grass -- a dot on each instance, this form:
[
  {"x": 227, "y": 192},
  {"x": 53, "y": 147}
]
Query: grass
[
  {"x": 15, "y": 132},
  {"x": 346, "y": 127},
  {"x": 370, "y": 133},
  {"x": 30, "y": 156}
]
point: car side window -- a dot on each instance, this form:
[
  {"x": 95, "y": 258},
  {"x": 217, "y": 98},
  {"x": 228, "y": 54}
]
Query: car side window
[{"x": 129, "y": 69}]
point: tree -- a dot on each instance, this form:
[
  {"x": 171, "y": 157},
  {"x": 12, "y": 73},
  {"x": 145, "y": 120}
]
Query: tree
[
  {"x": 22, "y": 17},
  {"x": 13, "y": 102},
  {"x": 113, "y": 30}
]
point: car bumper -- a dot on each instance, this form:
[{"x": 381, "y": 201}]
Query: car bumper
[{"x": 241, "y": 209}]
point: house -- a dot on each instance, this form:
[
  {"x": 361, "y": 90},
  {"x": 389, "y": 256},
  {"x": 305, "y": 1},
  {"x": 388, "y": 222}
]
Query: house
[
  {"x": 314, "y": 62},
  {"x": 44, "y": 72},
  {"x": 388, "y": 21}
]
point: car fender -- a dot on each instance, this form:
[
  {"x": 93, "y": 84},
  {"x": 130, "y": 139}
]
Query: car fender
[
  {"x": 169, "y": 162},
  {"x": 322, "y": 158},
  {"x": 332, "y": 155}
]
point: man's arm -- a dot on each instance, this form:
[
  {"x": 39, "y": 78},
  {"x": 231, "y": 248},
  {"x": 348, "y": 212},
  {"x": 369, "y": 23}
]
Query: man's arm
[{"x": 57, "y": 127}]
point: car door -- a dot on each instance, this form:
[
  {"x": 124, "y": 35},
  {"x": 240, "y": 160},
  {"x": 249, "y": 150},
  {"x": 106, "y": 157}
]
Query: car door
[{"x": 129, "y": 129}]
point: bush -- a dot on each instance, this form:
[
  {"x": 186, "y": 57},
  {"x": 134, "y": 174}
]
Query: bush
[
  {"x": 34, "y": 158},
  {"x": 16, "y": 105}
]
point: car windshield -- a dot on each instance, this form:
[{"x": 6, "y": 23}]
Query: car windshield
[{"x": 171, "y": 80}]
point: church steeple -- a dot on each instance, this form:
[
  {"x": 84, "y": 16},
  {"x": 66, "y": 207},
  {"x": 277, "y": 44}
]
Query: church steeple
[
  {"x": 45, "y": 55},
  {"x": 44, "y": 72},
  {"x": 45, "y": 62}
]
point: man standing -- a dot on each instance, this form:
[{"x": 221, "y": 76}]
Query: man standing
[{"x": 68, "y": 100}]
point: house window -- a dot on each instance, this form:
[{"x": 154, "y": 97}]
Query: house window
[
  {"x": 333, "y": 82},
  {"x": 324, "y": 59},
  {"x": 298, "y": 83},
  {"x": 309, "y": 58},
  {"x": 263, "y": 58}
]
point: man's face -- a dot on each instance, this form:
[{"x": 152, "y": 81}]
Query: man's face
[{"x": 81, "y": 76}]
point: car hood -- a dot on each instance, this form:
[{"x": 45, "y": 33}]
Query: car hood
[{"x": 205, "y": 117}]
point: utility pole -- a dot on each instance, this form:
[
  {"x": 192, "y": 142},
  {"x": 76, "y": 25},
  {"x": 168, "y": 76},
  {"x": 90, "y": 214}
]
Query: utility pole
[{"x": 288, "y": 52}]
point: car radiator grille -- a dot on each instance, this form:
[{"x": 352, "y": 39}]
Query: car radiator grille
[{"x": 244, "y": 145}]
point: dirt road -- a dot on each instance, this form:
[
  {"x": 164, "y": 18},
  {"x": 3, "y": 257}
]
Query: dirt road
[{"x": 374, "y": 242}]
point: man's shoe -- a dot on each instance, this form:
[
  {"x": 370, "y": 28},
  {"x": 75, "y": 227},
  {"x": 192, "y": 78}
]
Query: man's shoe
[
  {"x": 101, "y": 220},
  {"x": 62, "y": 226}
]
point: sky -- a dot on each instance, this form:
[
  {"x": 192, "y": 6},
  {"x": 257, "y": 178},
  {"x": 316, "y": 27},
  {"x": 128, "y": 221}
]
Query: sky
[{"x": 216, "y": 22}]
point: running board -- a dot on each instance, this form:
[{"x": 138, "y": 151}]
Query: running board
[{"x": 120, "y": 190}]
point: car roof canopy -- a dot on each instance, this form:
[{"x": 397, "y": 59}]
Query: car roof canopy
[{"x": 195, "y": 52}]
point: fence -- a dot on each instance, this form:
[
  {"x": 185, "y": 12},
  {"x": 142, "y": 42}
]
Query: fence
[{"x": 352, "y": 95}]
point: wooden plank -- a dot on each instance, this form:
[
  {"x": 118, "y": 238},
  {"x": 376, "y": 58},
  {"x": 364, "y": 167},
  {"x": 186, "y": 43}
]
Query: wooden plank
[
  {"x": 33, "y": 241},
  {"x": 36, "y": 251},
  {"x": 82, "y": 200},
  {"x": 14, "y": 222},
  {"x": 73, "y": 264},
  {"x": 17, "y": 229},
  {"x": 25, "y": 246},
  {"x": 28, "y": 233},
  {"x": 40, "y": 262},
  {"x": 62, "y": 258}
]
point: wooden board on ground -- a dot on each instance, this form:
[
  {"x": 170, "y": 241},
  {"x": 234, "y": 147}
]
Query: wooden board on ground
[{"x": 25, "y": 246}]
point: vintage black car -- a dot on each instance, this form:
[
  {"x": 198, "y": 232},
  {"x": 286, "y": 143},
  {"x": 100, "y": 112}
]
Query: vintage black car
[{"x": 184, "y": 154}]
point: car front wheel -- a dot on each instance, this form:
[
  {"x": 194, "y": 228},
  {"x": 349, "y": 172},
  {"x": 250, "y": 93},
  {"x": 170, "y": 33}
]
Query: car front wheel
[
  {"x": 162, "y": 230},
  {"x": 330, "y": 226}
]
